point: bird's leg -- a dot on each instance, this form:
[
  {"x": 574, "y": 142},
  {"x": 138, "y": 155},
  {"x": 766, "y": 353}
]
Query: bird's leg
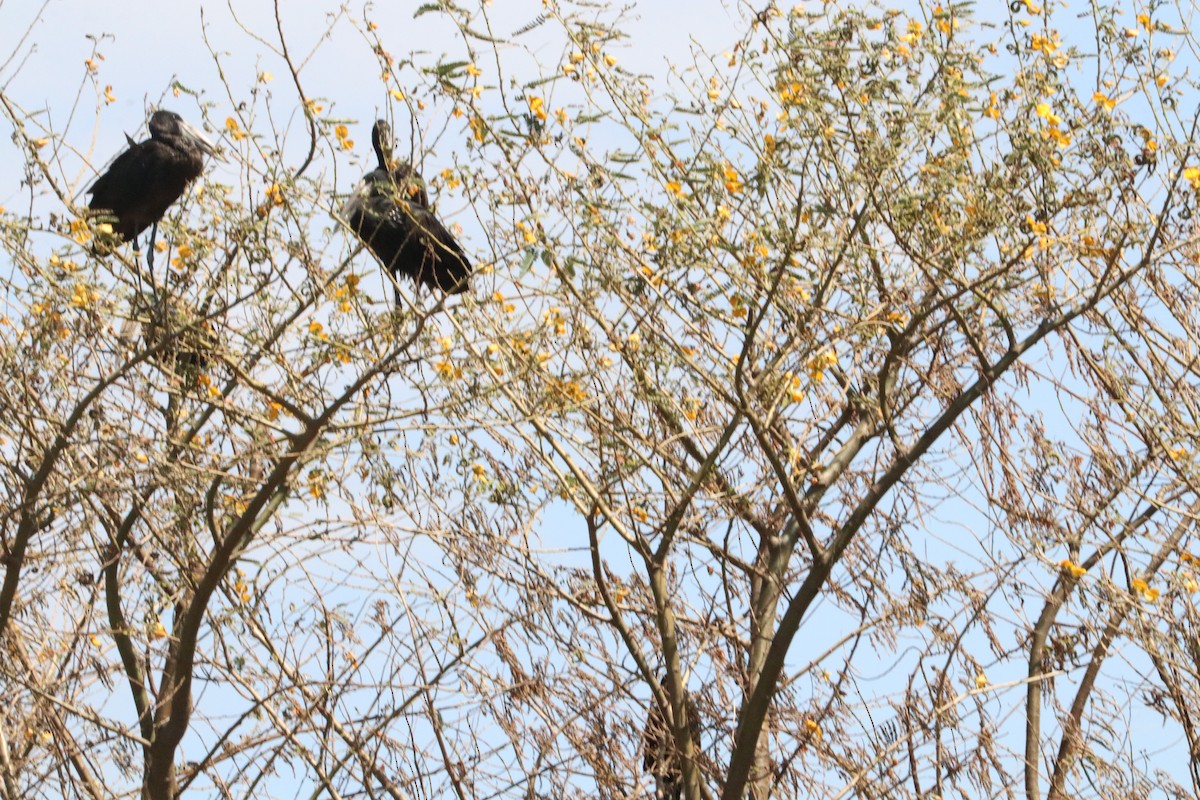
[{"x": 150, "y": 250}]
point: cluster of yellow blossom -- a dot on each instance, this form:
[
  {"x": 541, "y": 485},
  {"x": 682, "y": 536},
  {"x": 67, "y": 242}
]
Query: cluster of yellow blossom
[
  {"x": 1144, "y": 590},
  {"x": 537, "y": 106},
  {"x": 733, "y": 181},
  {"x": 274, "y": 194},
  {"x": 346, "y": 291},
  {"x": 575, "y": 61},
  {"x": 553, "y": 316},
  {"x": 182, "y": 256},
  {"x": 240, "y": 588},
  {"x": 821, "y": 362},
  {"x": 478, "y": 128},
  {"x": 1053, "y": 120},
  {"x": 80, "y": 231},
  {"x": 1071, "y": 568},
  {"x": 235, "y": 132}
]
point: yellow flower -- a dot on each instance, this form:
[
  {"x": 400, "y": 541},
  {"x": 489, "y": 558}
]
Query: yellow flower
[
  {"x": 993, "y": 111},
  {"x": 675, "y": 188},
  {"x": 109, "y": 97},
  {"x": 313, "y": 107},
  {"x": 79, "y": 231},
  {"x": 819, "y": 363},
  {"x": 473, "y": 70},
  {"x": 981, "y": 681},
  {"x": 1044, "y": 44},
  {"x": 1047, "y": 113},
  {"x": 234, "y": 131},
  {"x": 537, "y": 106},
  {"x": 1143, "y": 590},
  {"x": 914, "y": 32},
  {"x": 397, "y": 94},
  {"x": 1104, "y": 101},
  {"x": 275, "y": 193},
  {"x": 1192, "y": 176},
  {"x": 812, "y": 728},
  {"x": 1071, "y": 568},
  {"x": 733, "y": 182},
  {"x": 793, "y": 389},
  {"x": 157, "y": 630},
  {"x": 1060, "y": 138},
  {"x": 265, "y": 77}
]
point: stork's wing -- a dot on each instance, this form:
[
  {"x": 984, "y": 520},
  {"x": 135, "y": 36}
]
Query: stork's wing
[
  {"x": 406, "y": 236},
  {"x": 122, "y": 192},
  {"x": 127, "y": 171}
]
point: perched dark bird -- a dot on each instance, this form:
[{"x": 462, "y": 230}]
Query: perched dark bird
[
  {"x": 143, "y": 182},
  {"x": 389, "y": 210},
  {"x": 660, "y": 757}
]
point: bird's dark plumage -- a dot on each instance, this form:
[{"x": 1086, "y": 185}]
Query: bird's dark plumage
[
  {"x": 660, "y": 757},
  {"x": 143, "y": 182},
  {"x": 389, "y": 211}
]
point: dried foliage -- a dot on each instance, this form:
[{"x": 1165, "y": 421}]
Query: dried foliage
[{"x": 836, "y": 392}]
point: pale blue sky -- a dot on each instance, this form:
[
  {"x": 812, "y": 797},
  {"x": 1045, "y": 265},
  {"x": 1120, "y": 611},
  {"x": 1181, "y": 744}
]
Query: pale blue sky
[{"x": 146, "y": 44}]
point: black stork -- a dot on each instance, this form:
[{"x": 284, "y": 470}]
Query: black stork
[
  {"x": 660, "y": 758},
  {"x": 143, "y": 182},
  {"x": 389, "y": 210}
]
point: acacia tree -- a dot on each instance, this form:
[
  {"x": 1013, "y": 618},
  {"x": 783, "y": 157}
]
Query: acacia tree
[{"x": 834, "y": 392}]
